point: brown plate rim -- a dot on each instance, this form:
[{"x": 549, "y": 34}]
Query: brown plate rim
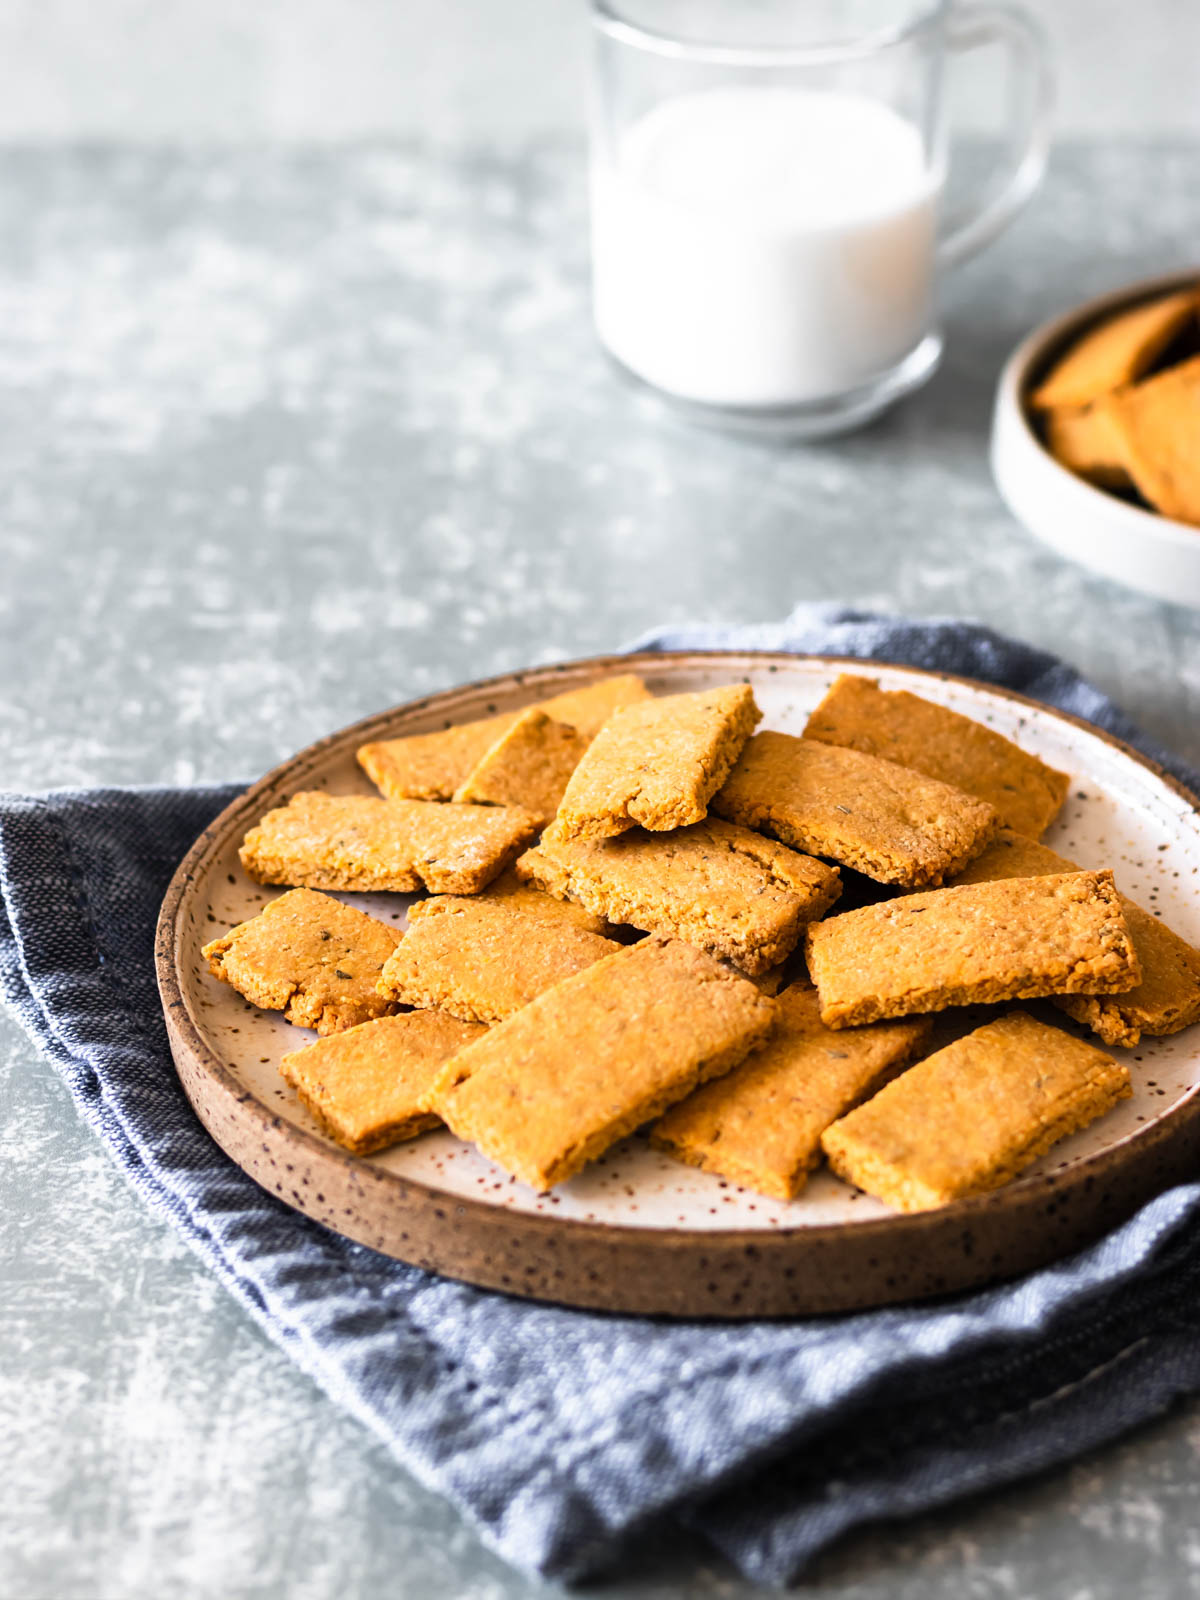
[{"x": 1024, "y": 1194}]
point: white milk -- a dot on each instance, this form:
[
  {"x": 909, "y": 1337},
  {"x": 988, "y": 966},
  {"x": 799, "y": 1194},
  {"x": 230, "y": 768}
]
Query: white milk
[{"x": 763, "y": 247}]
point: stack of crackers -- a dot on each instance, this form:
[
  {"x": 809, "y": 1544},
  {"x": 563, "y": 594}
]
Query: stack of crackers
[
  {"x": 632, "y": 923},
  {"x": 1121, "y": 406}
]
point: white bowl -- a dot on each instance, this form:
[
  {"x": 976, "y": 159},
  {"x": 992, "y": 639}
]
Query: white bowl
[{"x": 1149, "y": 552}]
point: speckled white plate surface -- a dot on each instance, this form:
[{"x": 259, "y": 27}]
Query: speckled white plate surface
[{"x": 1121, "y": 812}]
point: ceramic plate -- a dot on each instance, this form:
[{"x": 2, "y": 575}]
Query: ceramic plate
[{"x": 637, "y": 1231}]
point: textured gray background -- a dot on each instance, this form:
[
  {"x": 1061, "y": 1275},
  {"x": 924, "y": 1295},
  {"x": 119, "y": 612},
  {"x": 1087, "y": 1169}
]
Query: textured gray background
[
  {"x": 289, "y": 435},
  {"x": 453, "y": 69}
]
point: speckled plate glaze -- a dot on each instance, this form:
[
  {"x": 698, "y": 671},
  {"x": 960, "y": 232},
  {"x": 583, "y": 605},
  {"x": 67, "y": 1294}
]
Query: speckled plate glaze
[{"x": 637, "y": 1231}]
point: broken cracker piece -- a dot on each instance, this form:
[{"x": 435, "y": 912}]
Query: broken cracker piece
[{"x": 1082, "y": 439}]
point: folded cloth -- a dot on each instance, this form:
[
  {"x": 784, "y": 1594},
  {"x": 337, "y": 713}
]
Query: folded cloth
[{"x": 560, "y": 1433}]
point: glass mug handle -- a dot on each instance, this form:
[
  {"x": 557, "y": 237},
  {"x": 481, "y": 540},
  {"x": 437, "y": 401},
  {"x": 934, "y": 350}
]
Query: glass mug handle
[{"x": 969, "y": 28}]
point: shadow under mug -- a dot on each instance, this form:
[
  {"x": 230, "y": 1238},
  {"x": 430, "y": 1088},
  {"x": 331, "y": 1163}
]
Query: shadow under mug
[{"x": 766, "y": 185}]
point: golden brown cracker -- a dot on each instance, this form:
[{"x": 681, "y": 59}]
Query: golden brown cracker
[
  {"x": 356, "y": 842},
  {"x": 430, "y": 766},
  {"x": 720, "y": 887},
  {"x": 1082, "y": 439},
  {"x": 886, "y": 821},
  {"x": 597, "y": 1056},
  {"x": 761, "y": 1124},
  {"x": 1158, "y": 425},
  {"x": 970, "y": 1117},
  {"x": 1168, "y": 997},
  {"x": 913, "y": 732},
  {"x": 366, "y": 1086},
  {"x": 1117, "y": 350},
  {"x": 482, "y": 959},
  {"x": 528, "y": 765},
  {"x": 657, "y": 765},
  {"x": 309, "y": 956},
  {"x": 1012, "y": 939}
]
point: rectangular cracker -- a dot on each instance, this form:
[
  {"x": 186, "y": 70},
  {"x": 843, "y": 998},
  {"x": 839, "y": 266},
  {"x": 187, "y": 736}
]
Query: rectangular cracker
[
  {"x": 1118, "y": 350},
  {"x": 351, "y": 841},
  {"x": 366, "y": 1086},
  {"x": 972, "y": 1116},
  {"x": 761, "y": 1124},
  {"x": 595, "y": 1057},
  {"x": 482, "y": 959},
  {"x": 1168, "y": 997},
  {"x": 1157, "y": 426},
  {"x": 657, "y": 764},
  {"x": 901, "y": 727},
  {"x": 310, "y": 957},
  {"x": 430, "y": 766},
  {"x": 529, "y": 765},
  {"x": 888, "y": 822},
  {"x": 718, "y": 886},
  {"x": 1008, "y": 940}
]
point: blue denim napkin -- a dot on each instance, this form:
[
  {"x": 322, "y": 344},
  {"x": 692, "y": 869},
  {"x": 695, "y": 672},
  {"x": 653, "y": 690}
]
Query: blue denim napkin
[{"x": 560, "y": 1433}]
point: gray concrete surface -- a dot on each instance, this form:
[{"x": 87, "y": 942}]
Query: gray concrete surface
[
  {"x": 286, "y": 437},
  {"x": 499, "y": 70}
]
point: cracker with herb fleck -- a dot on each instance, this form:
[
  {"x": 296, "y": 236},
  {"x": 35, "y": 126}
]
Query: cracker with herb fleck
[{"x": 309, "y": 956}]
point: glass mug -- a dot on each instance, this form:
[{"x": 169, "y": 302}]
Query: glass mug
[{"x": 766, "y": 179}]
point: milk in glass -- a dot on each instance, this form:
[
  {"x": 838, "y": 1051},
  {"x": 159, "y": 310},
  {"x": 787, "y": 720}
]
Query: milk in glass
[{"x": 764, "y": 246}]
